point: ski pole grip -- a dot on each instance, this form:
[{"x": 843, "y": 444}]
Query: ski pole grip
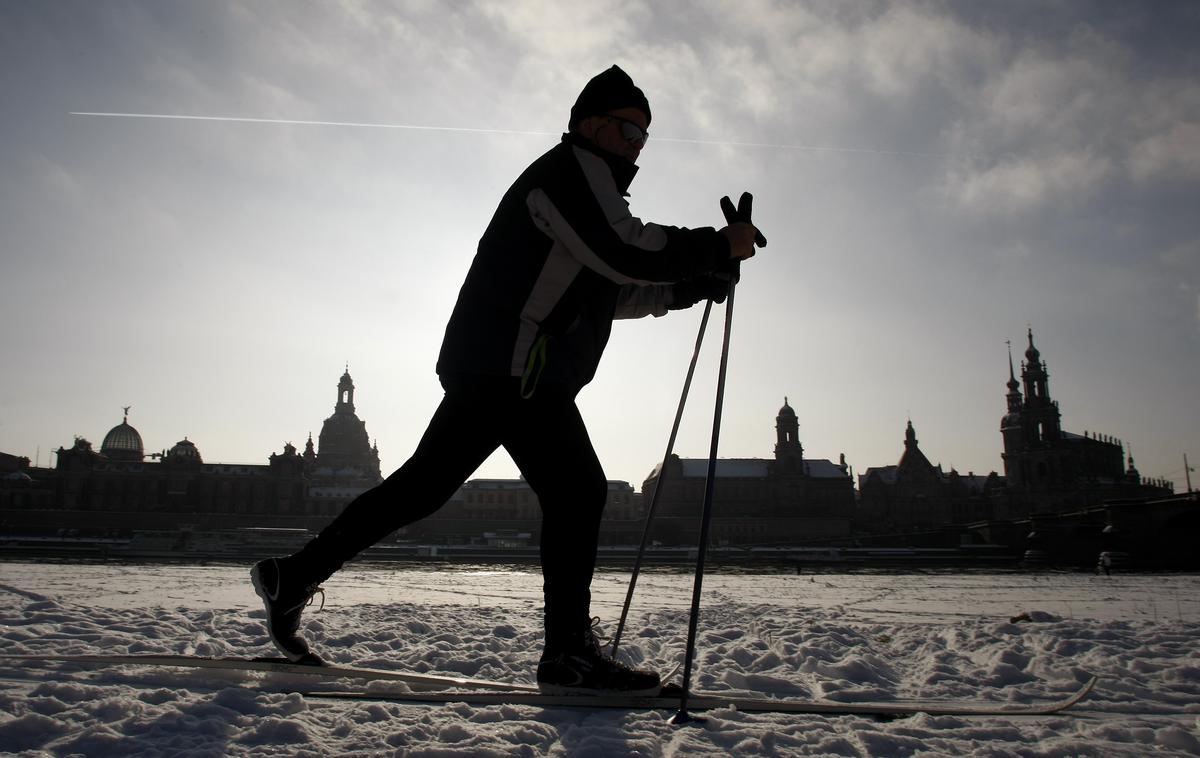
[{"x": 742, "y": 214}]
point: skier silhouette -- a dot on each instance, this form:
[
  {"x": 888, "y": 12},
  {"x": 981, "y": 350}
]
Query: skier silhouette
[{"x": 561, "y": 258}]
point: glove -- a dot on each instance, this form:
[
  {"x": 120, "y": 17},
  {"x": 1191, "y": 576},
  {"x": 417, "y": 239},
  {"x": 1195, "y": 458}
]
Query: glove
[
  {"x": 688, "y": 292},
  {"x": 742, "y": 214},
  {"x": 729, "y": 271}
]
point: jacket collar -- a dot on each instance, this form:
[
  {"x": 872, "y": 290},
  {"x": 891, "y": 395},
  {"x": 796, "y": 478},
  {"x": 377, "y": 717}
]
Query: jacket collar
[{"x": 623, "y": 171}]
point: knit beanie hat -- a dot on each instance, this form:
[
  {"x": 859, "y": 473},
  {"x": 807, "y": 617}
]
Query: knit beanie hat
[{"x": 608, "y": 91}]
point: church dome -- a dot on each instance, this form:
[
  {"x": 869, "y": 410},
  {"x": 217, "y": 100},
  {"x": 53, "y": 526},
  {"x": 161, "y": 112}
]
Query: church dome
[
  {"x": 343, "y": 440},
  {"x": 786, "y": 410},
  {"x": 184, "y": 451},
  {"x": 122, "y": 443}
]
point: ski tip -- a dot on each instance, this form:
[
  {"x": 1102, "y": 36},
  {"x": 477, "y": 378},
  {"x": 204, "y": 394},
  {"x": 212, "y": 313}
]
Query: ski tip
[{"x": 1087, "y": 687}]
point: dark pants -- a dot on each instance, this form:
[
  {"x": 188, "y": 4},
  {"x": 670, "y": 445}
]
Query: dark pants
[{"x": 546, "y": 438}]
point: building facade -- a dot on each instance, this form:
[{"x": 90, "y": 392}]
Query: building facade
[
  {"x": 916, "y": 494},
  {"x": 506, "y": 513},
  {"x": 121, "y": 489},
  {"x": 787, "y": 499}
]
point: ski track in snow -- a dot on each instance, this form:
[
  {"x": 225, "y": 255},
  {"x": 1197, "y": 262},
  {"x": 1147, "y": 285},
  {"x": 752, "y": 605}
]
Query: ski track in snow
[{"x": 834, "y": 636}]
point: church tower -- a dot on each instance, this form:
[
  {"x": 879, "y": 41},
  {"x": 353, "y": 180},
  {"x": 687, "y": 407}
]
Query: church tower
[
  {"x": 789, "y": 453},
  {"x": 1042, "y": 421}
]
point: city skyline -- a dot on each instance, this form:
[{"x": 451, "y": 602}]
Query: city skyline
[
  {"x": 313, "y": 441},
  {"x": 934, "y": 178}
]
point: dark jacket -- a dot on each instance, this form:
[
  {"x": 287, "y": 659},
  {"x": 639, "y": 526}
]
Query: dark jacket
[{"x": 561, "y": 258}]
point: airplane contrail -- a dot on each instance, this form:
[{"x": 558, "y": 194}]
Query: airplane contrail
[
  {"x": 425, "y": 127},
  {"x": 300, "y": 122}
]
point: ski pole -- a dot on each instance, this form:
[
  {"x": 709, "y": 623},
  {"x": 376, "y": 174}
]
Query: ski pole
[
  {"x": 658, "y": 487},
  {"x": 682, "y": 716}
]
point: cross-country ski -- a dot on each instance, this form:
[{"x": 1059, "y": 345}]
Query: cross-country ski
[
  {"x": 277, "y": 666},
  {"x": 435, "y": 689},
  {"x": 703, "y": 701}
]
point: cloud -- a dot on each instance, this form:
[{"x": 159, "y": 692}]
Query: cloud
[
  {"x": 911, "y": 47},
  {"x": 568, "y": 30},
  {"x": 1172, "y": 153},
  {"x": 1060, "y": 124},
  {"x": 1027, "y": 183}
]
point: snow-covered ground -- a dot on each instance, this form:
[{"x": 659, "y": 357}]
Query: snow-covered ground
[{"x": 835, "y": 636}]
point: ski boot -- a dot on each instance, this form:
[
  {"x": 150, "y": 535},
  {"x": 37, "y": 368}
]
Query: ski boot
[
  {"x": 583, "y": 669},
  {"x": 285, "y": 599}
]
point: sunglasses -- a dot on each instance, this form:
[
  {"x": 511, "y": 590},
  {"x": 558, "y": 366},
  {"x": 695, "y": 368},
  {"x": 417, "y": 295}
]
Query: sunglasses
[{"x": 629, "y": 130}]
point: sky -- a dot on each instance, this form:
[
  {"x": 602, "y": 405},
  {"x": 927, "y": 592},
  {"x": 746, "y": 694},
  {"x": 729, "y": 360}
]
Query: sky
[{"x": 934, "y": 179}]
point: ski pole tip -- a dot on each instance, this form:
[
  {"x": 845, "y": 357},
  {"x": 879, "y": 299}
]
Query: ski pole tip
[{"x": 683, "y": 718}]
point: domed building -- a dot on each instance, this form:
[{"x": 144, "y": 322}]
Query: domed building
[
  {"x": 184, "y": 451},
  {"x": 123, "y": 443},
  {"x": 346, "y": 461}
]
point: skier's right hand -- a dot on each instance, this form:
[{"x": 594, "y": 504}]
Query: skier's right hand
[
  {"x": 742, "y": 213},
  {"x": 741, "y": 239}
]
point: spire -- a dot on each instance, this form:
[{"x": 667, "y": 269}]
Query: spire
[
  {"x": 1031, "y": 354},
  {"x": 1132, "y": 471},
  {"x": 1013, "y": 385},
  {"x": 1013, "y": 397},
  {"x": 913, "y": 465}
]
